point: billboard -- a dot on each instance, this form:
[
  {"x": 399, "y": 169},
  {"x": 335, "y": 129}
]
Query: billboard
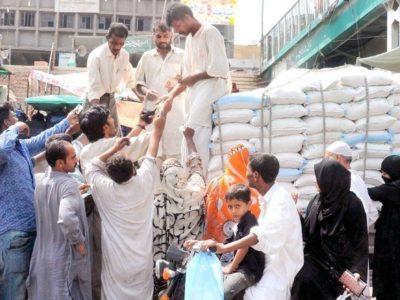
[
  {"x": 221, "y": 12},
  {"x": 136, "y": 44},
  {"x": 77, "y": 6}
]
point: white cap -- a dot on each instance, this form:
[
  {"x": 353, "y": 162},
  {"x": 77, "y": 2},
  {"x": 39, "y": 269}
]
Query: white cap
[{"x": 340, "y": 148}]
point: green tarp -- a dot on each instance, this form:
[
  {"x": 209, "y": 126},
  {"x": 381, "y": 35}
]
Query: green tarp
[{"x": 54, "y": 102}]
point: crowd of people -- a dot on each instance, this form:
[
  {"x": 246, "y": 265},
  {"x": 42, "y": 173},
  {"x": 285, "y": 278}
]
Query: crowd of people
[{"x": 87, "y": 218}]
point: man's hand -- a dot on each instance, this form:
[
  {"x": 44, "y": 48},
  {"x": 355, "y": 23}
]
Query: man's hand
[
  {"x": 80, "y": 248},
  {"x": 73, "y": 129},
  {"x": 167, "y": 106},
  {"x": 152, "y": 95},
  {"x": 159, "y": 122},
  {"x": 227, "y": 269},
  {"x": 120, "y": 144},
  {"x": 23, "y": 128},
  {"x": 146, "y": 117},
  {"x": 188, "y": 80},
  {"x": 188, "y": 133},
  {"x": 83, "y": 188},
  {"x": 72, "y": 118},
  {"x": 295, "y": 196},
  {"x": 188, "y": 244},
  {"x": 94, "y": 102}
]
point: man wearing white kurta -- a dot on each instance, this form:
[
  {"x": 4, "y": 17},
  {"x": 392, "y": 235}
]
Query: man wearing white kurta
[
  {"x": 205, "y": 74},
  {"x": 341, "y": 152},
  {"x": 158, "y": 71},
  {"x": 99, "y": 127},
  {"x": 125, "y": 199},
  {"x": 108, "y": 66},
  {"x": 278, "y": 234}
]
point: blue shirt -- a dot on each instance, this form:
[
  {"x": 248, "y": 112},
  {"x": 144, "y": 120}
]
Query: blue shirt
[{"x": 17, "y": 186}]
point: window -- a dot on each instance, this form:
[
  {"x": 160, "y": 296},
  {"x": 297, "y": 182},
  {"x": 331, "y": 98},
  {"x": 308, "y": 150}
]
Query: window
[
  {"x": 67, "y": 20},
  {"x": 125, "y": 20},
  {"x": 143, "y": 24},
  {"x": 7, "y": 18},
  {"x": 85, "y": 22},
  {"x": 104, "y": 22},
  {"x": 47, "y": 20},
  {"x": 28, "y": 18}
]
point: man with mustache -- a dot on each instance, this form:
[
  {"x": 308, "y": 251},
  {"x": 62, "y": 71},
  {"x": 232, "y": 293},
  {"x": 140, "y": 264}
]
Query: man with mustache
[
  {"x": 60, "y": 264},
  {"x": 157, "y": 73},
  {"x": 107, "y": 66}
]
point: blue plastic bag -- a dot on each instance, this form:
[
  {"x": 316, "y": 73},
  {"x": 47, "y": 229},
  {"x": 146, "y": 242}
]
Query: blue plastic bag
[{"x": 204, "y": 279}]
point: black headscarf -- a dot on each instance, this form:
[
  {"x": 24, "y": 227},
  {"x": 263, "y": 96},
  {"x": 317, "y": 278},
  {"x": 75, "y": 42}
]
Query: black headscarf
[
  {"x": 391, "y": 166},
  {"x": 330, "y": 204}
]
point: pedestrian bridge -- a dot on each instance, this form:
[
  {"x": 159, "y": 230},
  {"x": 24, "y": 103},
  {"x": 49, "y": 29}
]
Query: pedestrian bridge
[{"x": 323, "y": 33}]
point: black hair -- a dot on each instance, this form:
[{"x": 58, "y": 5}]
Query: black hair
[
  {"x": 118, "y": 29},
  {"x": 239, "y": 192},
  {"x": 5, "y": 110},
  {"x": 161, "y": 26},
  {"x": 92, "y": 121},
  {"x": 119, "y": 168},
  {"x": 59, "y": 137},
  {"x": 56, "y": 150},
  {"x": 177, "y": 11},
  {"x": 266, "y": 165}
]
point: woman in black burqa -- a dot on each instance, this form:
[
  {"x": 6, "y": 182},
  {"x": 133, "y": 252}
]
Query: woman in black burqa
[
  {"x": 386, "y": 262},
  {"x": 335, "y": 236}
]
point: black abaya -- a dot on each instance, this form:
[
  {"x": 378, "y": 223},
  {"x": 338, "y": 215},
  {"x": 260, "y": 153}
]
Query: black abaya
[
  {"x": 386, "y": 262},
  {"x": 335, "y": 236}
]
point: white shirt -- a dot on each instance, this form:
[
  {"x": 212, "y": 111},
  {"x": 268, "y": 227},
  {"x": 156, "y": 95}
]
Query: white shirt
[
  {"x": 359, "y": 188},
  {"x": 205, "y": 52},
  {"x": 126, "y": 212},
  {"x": 280, "y": 238},
  {"x": 161, "y": 75},
  {"x": 136, "y": 149},
  {"x": 106, "y": 72}
]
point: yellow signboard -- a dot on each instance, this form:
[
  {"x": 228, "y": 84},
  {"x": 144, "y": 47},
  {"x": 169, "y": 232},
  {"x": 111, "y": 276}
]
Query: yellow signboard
[{"x": 221, "y": 12}]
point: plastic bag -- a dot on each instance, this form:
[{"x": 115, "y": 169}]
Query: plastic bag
[{"x": 204, "y": 280}]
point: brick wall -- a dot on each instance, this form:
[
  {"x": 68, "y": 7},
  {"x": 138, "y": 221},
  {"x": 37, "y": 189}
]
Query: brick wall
[{"x": 19, "y": 79}]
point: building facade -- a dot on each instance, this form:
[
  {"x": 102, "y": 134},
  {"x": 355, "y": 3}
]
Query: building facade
[{"x": 29, "y": 28}]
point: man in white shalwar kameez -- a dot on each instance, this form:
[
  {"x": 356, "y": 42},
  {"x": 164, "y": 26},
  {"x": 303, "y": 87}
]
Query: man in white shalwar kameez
[
  {"x": 278, "y": 234},
  {"x": 205, "y": 75},
  {"x": 99, "y": 127},
  {"x": 156, "y": 74},
  {"x": 125, "y": 203}
]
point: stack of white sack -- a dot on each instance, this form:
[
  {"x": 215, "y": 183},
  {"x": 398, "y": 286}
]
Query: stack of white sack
[
  {"x": 237, "y": 119},
  {"x": 304, "y": 112},
  {"x": 352, "y": 104},
  {"x": 283, "y": 131},
  {"x": 231, "y": 119}
]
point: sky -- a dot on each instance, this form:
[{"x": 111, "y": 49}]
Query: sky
[{"x": 248, "y": 18}]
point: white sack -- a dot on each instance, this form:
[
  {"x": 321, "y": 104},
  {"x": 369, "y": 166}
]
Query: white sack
[
  {"x": 279, "y": 112},
  {"x": 281, "y": 144},
  {"x": 358, "y": 110},
  {"x": 331, "y": 110},
  {"x": 315, "y": 124},
  {"x": 376, "y": 123},
  {"x": 233, "y": 116}
]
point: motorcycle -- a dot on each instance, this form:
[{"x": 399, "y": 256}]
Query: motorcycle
[{"x": 181, "y": 271}]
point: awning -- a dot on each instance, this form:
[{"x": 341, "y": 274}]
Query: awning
[
  {"x": 74, "y": 82},
  {"x": 389, "y": 60}
]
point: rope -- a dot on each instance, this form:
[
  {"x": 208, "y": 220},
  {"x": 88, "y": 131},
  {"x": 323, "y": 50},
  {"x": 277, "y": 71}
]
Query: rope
[
  {"x": 265, "y": 103},
  {"x": 264, "y": 94},
  {"x": 221, "y": 148},
  {"x": 367, "y": 100},
  {"x": 323, "y": 115}
]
